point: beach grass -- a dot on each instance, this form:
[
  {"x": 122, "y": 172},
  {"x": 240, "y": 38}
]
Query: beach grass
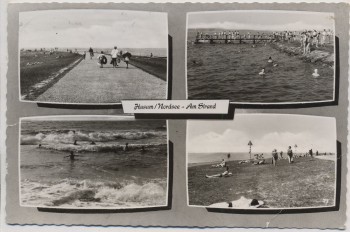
[
  {"x": 156, "y": 66},
  {"x": 308, "y": 182},
  {"x": 38, "y": 66}
]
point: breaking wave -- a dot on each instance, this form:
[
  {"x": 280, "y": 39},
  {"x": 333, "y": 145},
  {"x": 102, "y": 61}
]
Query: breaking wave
[
  {"x": 71, "y": 136},
  {"x": 70, "y": 193}
]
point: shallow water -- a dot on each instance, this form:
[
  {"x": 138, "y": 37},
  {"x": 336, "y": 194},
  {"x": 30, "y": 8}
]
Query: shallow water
[
  {"x": 102, "y": 174},
  {"x": 230, "y": 71}
]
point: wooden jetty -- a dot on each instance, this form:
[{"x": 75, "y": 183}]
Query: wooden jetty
[{"x": 239, "y": 40}]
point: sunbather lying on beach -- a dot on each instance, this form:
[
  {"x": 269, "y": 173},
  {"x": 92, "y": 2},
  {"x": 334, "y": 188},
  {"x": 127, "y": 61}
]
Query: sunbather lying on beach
[
  {"x": 224, "y": 174},
  {"x": 220, "y": 165},
  {"x": 259, "y": 162},
  {"x": 243, "y": 161}
]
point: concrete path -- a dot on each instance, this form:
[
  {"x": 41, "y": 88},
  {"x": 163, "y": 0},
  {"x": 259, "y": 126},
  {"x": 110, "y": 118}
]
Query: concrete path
[{"x": 88, "y": 83}]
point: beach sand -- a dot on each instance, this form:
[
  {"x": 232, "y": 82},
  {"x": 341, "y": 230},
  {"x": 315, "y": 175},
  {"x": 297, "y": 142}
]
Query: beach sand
[{"x": 308, "y": 182}]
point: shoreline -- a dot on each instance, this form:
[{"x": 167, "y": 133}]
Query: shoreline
[
  {"x": 315, "y": 56},
  {"x": 321, "y": 157}
]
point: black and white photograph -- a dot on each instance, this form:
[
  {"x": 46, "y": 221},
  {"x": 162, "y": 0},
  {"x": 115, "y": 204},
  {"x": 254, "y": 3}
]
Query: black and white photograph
[
  {"x": 262, "y": 161},
  {"x": 93, "y": 162},
  {"x": 92, "y": 56},
  {"x": 261, "y": 57}
]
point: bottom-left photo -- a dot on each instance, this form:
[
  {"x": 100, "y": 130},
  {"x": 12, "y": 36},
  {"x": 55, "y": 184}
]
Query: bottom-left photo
[{"x": 98, "y": 162}]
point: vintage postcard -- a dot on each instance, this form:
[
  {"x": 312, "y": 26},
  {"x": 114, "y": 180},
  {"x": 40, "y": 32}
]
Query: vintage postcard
[{"x": 277, "y": 159}]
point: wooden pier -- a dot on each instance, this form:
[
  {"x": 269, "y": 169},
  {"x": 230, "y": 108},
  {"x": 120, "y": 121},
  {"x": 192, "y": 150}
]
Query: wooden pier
[{"x": 240, "y": 40}]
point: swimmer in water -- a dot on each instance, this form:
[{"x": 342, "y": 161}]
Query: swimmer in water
[
  {"x": 315, "y": 74},
  {"x": 262, "y": 72},
  {"x": 270, "y": 60},
  {"x": 71, "y": 156}
]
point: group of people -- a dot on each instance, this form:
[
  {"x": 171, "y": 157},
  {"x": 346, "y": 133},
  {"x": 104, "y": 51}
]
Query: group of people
[
  {"x": 275, "y": 154},
  {"x": 115, "y": 54},
  {"x": 316, "y": 37},
  {"x": 291, "y": 156}
]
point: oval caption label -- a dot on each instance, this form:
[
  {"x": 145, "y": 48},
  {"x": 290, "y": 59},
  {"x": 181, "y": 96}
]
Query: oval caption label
[{"x": 176, "y": 107}]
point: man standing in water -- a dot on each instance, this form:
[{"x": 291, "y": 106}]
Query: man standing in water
[
  {"x": 71, "y": 156},
  {"x": 114, "y": 54}
]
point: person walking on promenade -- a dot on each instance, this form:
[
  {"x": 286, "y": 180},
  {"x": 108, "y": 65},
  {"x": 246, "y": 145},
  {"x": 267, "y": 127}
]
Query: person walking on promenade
[
  {"x": 102, "y": 59},
  {"x": 126, "y": 57},
  {"x": 114, "y": 54},
  {"x": 290, "y": 154},
  {"x": 91, "y": 51}
]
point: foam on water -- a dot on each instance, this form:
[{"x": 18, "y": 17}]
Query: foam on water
[
  {"x": 73, "y": 193},
  {"x": 63, "y": 137},
  {"x": 86, "y": 147}
]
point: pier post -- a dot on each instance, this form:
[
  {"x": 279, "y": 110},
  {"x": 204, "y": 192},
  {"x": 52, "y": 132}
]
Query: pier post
[
  {"x": 240, "y": 39},
  {"x": 225, "y": 39},
  {"x": 253, "y": 39}
]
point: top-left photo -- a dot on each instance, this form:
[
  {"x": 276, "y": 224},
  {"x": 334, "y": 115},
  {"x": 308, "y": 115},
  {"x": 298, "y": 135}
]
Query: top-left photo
[{"x": 92, "y": 56}]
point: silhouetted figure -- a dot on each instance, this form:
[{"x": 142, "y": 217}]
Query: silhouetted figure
[
  {"x": 126, "y": 147},
  {"x": 71, "y": 156}
]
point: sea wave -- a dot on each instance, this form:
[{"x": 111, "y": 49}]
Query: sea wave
[
  {"x": 98, "y": 147},
  {"x": 71, "y": 136},
  {"x": 73, "y": 193}
]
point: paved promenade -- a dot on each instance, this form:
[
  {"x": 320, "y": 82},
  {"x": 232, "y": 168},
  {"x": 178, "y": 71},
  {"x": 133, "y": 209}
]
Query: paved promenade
[{"x": 88, "y": 83}]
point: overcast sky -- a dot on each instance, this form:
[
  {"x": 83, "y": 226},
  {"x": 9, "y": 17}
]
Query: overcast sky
[
  {"x": 267, "y": 132},
  {"x": 262, "y": 20},
  {"x": 95, "y": 28}
]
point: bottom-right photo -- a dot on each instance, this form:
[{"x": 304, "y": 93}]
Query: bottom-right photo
[{"x": 262, "y": 161}]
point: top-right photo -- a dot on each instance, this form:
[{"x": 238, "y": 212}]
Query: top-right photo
[{"x": 261, "y": 57}]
